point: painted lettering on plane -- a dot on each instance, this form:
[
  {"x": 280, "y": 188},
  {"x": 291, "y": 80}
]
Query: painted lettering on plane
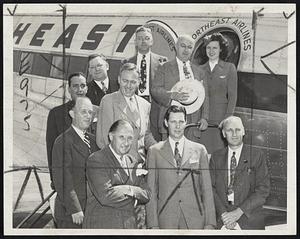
[
  {"x": 239, "y": 24},
  {"x": 93, "y": 40}
]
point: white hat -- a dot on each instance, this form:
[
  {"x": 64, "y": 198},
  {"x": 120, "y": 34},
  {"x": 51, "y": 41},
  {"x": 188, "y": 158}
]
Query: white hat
[{"x": 196, "y": 92}]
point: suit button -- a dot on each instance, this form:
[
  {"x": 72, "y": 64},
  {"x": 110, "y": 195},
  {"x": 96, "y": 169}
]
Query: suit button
[{"x": 179, "y": 200}]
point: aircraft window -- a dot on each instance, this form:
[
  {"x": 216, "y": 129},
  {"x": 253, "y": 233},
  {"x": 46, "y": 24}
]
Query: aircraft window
[
  {"x": 16, "y": 61},
  {"x": 77, "y": 63},
  {"x": 199, "y": 56},
  {"x": 56, "y": 70},
  {"x": 254, "y": 91},
  {"x": 41, "y": 64}
]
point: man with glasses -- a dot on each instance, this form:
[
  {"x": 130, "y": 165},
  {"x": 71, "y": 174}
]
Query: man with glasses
[
  {"x": 59, "y": 119},
  {"x": 100, "y": 84}
]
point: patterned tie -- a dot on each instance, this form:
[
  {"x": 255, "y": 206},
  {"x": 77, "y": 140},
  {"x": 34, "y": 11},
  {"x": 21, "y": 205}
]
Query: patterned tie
[
  {"x": 104, "y": 89},
  {"x": 186, "y": 72},
  {"x": 124, "y": 164},
  {"x": 142, "y": 86},
  {"x": 232, "y": 173},
  {"x": 177, "y": 155},
  {"x": 87, "y": 140}
]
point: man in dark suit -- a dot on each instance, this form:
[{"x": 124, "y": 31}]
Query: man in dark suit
[
  {"x": 100, "y": 84},
  {"x": 116, "y": 182},
  {"x": 240, "y": 180},
  {"x": 59, "y": 119},
  {"x": 168, "y": 75},
  {"x": 147, "y": 63},
  {"x": 70, "y": 152},
  {"x": 179, "y": 180}
]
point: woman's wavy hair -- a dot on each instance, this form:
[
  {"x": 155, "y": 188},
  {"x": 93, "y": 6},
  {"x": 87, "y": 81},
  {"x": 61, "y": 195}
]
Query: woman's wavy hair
[{"x": 217, "y": 36}]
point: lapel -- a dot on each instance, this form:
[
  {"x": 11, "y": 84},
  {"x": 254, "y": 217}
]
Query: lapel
[
  {"x": 174, "y": 71},
  {"x": 206, "y": 67},
  {"x": 167, "y": 153},
  {"x": 186, "y": 149},
  {"x": 242, "y": 165},
  {"x": 224, "y": 165},
  {"x": 121, "y": 103},
  {"x": 78, "y": 144},
  {"x": 117, "y": 166},
  {"x": 153, "y": 66}
]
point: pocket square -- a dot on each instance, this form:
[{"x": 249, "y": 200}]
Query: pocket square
[{"x": 222, "y": 77}]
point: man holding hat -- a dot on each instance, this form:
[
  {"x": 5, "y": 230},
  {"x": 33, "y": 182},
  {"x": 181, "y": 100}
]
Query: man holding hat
[{"x": 167, "y": 88}]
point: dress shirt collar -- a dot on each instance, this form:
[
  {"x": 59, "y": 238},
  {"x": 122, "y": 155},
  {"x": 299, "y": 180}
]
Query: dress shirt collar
[
  {"x": 180, "y": 63},
  {"x": 79, "y": 132},
  {"x": 105, "y": 81},
  {"x": 140, "y": 56},
  {"x": 180, "y": 145},
  {"x": 212, "y": 64}
]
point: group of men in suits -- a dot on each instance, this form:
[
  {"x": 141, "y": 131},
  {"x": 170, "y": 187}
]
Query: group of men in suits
[{"x": 133, "y": 116}]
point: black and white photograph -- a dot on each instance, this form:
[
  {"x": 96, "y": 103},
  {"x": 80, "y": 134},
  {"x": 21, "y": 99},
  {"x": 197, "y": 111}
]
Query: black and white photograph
[{"x": 149, "y": 119}]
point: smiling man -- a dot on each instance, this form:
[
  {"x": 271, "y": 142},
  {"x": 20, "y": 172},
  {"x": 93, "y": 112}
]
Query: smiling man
[
  {"x": 114, "y": 186},
  {"x": 59, "y": 118},
  {"x": 179, "y": 180},
  {"x": 240, "y": 198},
  {"x": 125, "y": 104},
  {"x": 168, "y": 75},
  {"x": 70, "y": 153}
]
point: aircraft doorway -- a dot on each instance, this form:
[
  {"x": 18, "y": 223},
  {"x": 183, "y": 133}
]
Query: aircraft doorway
[{"x": 199, "y": 56}]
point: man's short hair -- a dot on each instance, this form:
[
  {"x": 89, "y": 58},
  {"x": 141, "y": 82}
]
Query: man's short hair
[
  {"x": 129, "y": 67},
  {"x": 91, "y": 57},
  {"x": 224, "y": 122},
  {"x": 143, "y": 29},
  {"x": 74, "y": 102},
  {"x": 117, "y": 124},
  {"x": 75, "y": 74},
  {"x": 185, "y": 36},
  {"x": 175, "y": 109}
]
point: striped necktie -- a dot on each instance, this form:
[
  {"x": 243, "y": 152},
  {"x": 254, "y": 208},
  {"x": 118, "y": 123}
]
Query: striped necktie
[
  {"x": 186, "y": 72},
  {"x": 87, "y": 140}
]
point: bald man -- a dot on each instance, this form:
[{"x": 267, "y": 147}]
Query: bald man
[
  {"x": 243, "y": 168},
  {"x": 70, "y": 152},
  {"x": 168, "y": 75}
]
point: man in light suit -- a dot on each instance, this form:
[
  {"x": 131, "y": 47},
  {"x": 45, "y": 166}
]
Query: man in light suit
[
  {"x": 100, "y": 84},
  {"x": 125, "y": 104},
  {"x": 70, "y": 152},
  {"x": 179, "y": 180},
  {"x": 240, "y": 180},
  {"x": 115, "y": 184},
  {"x": 168, "y": 75},
  {"x": 147, "y": 63},
  {"x": 59, "y": 119}
]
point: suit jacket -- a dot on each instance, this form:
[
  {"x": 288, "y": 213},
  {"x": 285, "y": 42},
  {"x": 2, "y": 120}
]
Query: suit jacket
[
  {"x": 155, "y": 61},
  {"x": 222, "y": 90},
  {"x": 166, "y": 77},
  {"x": 58, "y": 122},
  {"x": 69, "y": 158},
  {"x": 163, "y": 178},
  {"x": 96, "y": 94},
  {"x": 106, "y": 207},
  {"x": 251, "y": 186},
  {"x": 114, "y": 107}
]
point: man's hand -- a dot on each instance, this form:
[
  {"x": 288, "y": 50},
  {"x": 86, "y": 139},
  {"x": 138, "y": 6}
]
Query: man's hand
[
  {"x": 78, "y": 217},
  {"x": 230, "y": 226},
  {"x": 179, "y": 96},
  {"x": 203, "y": 124},
  {"x": 231, "y": 217}
]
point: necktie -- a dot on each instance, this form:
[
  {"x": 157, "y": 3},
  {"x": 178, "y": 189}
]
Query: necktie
[
  {"x": 87, "y": 140},
  {"x": 186, "y": 72},
  {"x": 177, "y": 155},
  {"x": 232, "y": 173},
  {"x": 104, "y": 89},
  {"x": 142, "y": 86},
  {"x": 134, "y": 110},
  {"x": 124, "y": 164}
]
